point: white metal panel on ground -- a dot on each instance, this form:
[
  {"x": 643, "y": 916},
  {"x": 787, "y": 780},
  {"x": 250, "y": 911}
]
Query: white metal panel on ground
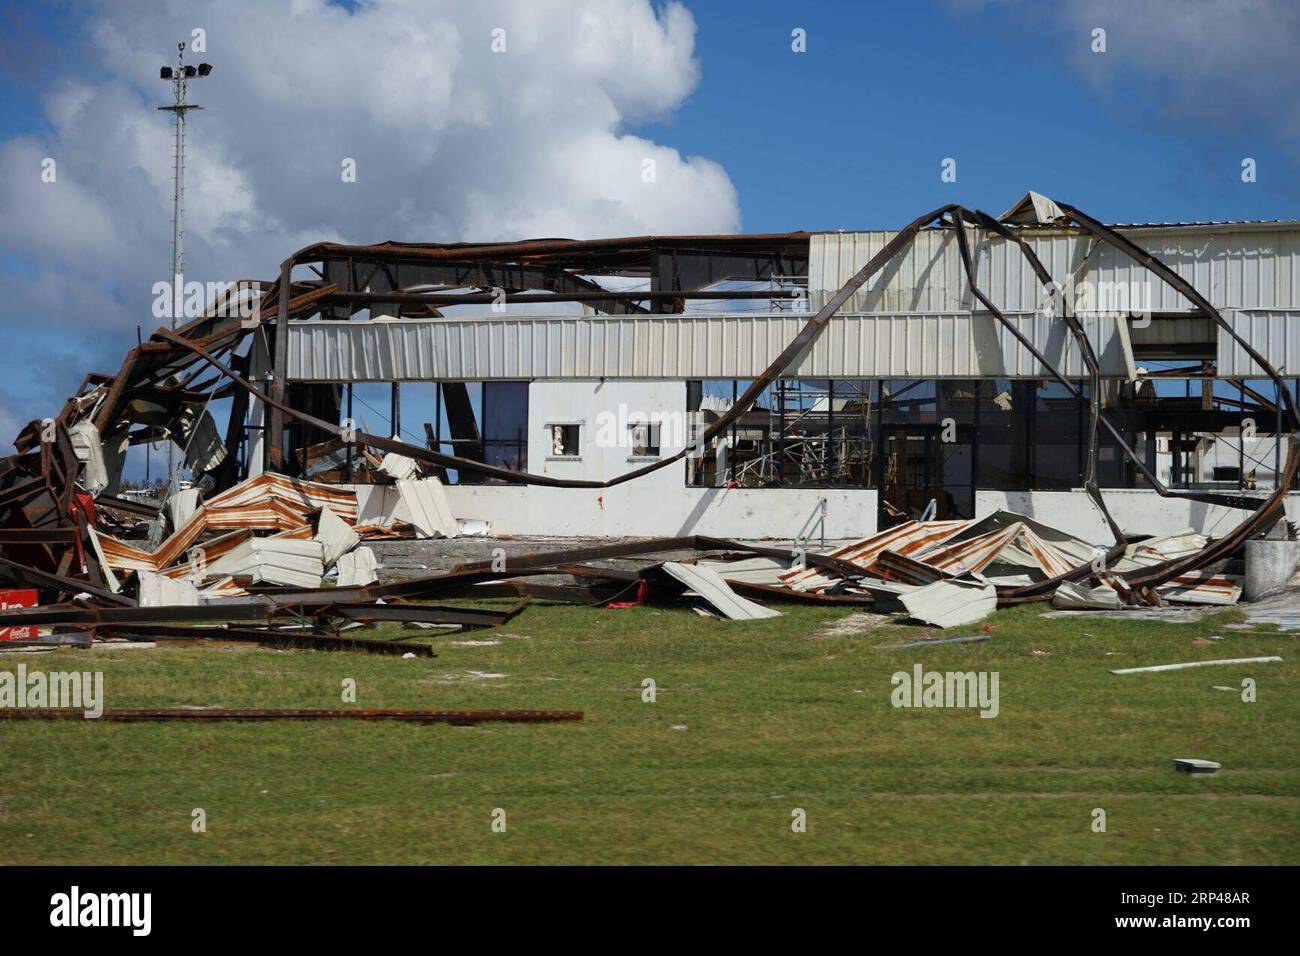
[
  {"x": 1080, "y": 597},
  {"x": 357, "y": 568},
  {"x": 951, "y": 603},
  {"x": 759, "y": 570},
  {"x": 854, "y": 345},
  {"x": 706, "y": 583},
  {"x": 336, "y": 537},
  {"x": 1274, "y": 333},
  {"x": 157, "y": 590},
  {"x": 285, "y": 561},
  {"x": 427, "y": 508}
]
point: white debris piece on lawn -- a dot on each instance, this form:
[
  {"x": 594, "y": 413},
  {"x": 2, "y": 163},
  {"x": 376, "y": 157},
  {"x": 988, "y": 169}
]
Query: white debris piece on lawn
[
  {"x": 1196, "y": 765},
  {"x": 427, "y": 508},
  {"x": 951, "y": 603},
  {"x": 758, "y": 570},
  {"x": 336, "y": 537},
  {"x": 157, "y": 590},
  {"x": 357, "y": 568},
  {"x": 705, "y": 583},
  {"x": 1184, "y": 666},
  {"x": 1080, "y": 597}
]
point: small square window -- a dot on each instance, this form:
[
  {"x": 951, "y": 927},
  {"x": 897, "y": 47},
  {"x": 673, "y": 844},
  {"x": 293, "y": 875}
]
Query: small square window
[
  {"x": 564, "y": 441},
  {"x": 645, "y": 440}
]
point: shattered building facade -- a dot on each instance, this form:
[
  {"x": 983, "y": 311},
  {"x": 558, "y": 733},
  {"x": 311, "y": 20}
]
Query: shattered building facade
[{"x": 1103, "y": 380}]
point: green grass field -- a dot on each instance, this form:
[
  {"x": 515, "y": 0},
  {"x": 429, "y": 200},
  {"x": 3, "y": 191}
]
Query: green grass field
[{"x": 751, "y": 721}]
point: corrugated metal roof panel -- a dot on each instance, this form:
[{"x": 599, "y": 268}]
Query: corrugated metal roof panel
[
  {"x": 336, "y": 537},
  {"x": 706, "y": 583},
  {"x": 427, "y": 508},
  {"x": 951, "y": 603},
  {"x": 358, "y": 568}
]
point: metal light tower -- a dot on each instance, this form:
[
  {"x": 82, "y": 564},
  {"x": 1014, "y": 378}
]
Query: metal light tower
[{"x": 179, "y": 75}]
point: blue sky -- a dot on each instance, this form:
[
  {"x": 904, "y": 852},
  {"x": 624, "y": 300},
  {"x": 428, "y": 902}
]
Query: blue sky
[{"x": 849, "y": 134}]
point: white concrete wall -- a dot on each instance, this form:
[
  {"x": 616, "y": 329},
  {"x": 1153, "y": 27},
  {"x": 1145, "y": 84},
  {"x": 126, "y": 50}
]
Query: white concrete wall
[
  {"x": 643, "y": 509},
  {"x": 604, "y": 410},
  {"x": 1134, "y": 510},
  {"x": 661, "y": 505}
]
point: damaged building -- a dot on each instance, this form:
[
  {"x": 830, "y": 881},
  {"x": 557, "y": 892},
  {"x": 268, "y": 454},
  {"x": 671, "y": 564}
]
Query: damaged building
[
  {"x": 1037, "y": 378},
  {"x": 914, "y": 394}
]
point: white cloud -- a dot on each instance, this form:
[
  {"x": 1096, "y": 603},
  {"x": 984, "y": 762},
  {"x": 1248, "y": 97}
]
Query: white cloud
[
  {"x": 451, "y": 140},
  {"x": 1227, "y": 64}
]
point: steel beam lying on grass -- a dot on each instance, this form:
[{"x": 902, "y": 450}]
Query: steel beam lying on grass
[
  {"x": 420, "y": 614},
  {"x": 300, "y": 639},
  {"x": 199, "y": 715}
]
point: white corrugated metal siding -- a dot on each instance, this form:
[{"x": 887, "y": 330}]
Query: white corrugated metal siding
[
  {"x": 672, "y": 347},
  {"x": 1254, "y": 266},
  {"x": 1274, "y": 333}
]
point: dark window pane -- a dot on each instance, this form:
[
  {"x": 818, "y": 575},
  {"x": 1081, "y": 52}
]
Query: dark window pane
[
  {"x": 1056, "y": 438},
  {"x": 505, "y": 410},
  {"x": 1003, "y": 434},
  {"x": 564, "y": 441}
]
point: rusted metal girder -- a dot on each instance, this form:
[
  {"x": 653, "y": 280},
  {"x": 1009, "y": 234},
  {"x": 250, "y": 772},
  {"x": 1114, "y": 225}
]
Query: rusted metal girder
[
  {"x": 303, "y": 640},
  {"x": 1266, "y": 512},
  {"x": 1090, "y": 358},
  {"x": 421, "y": 614},
  {"x": 61, "y": 583},
  {"x": 464, "y": 717}
]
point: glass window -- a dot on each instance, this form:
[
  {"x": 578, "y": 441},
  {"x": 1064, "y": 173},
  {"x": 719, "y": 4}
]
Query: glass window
[
  {"x": 565, "y": 441},
  {"x": 644, "y": 439},
  {"x": 505, "y": 424}
]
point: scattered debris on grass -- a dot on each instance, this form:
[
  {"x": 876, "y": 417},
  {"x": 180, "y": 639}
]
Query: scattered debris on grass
[
  {"x": 1195, "y": 765},
  {"x": 965, "y": 639},
  {"x": 1188, "y": 664}
]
